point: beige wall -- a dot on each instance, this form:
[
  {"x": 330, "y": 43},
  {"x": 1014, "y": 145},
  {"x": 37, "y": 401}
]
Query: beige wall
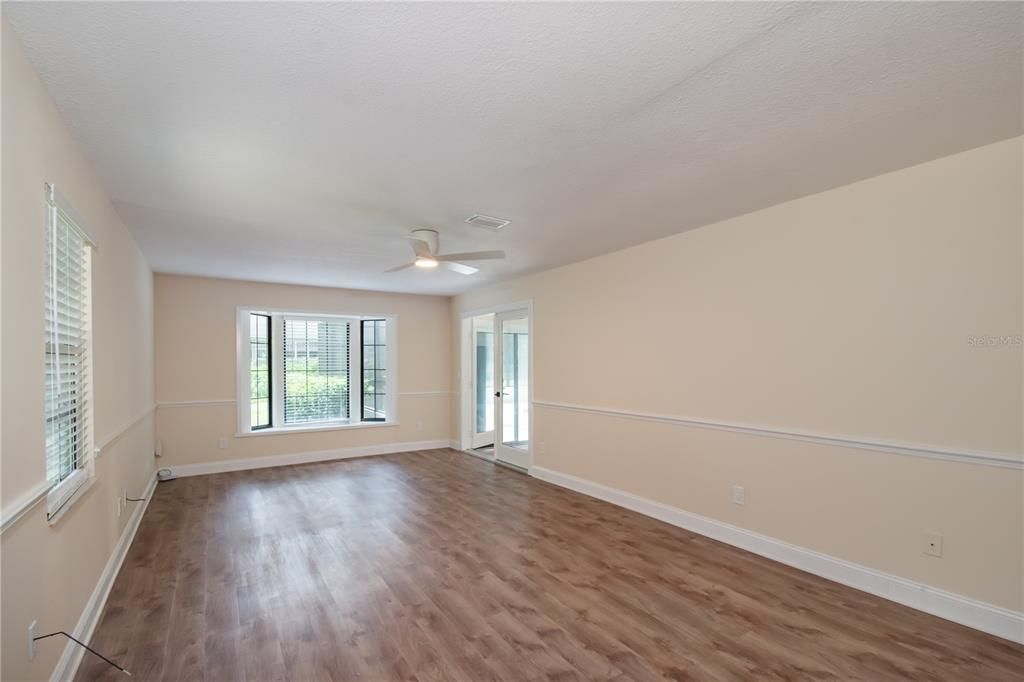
[
  {"x": 195, "y": 361},
  {"x": 844, "y": 313},
  {"x": 48, "y": 572}
]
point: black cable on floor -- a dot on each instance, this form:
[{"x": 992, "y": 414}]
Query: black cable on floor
[{"x": 82, "y": 644}]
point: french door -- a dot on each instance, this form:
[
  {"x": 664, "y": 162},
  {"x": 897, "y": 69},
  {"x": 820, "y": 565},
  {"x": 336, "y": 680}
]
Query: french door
[
  {"x": 511, "y": 350},
  {"x": 482, "y": 345}
]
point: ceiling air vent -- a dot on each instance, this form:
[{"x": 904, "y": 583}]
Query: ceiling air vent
[{"x": 487, "y": 222}]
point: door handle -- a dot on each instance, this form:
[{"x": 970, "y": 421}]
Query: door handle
[{"x": 498, "y": 394}]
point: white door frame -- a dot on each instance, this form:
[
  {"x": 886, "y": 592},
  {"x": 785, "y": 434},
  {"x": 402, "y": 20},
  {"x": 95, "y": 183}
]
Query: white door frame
[{"x": 466, "y": 370}]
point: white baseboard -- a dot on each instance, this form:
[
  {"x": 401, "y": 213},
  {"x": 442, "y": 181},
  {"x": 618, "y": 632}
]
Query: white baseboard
[
  {"x": 225, "y": 465},
  {"x": 988, "y": 618},
  {"x": 487, "y": 458},
  {"x": 67, "y": 665}
]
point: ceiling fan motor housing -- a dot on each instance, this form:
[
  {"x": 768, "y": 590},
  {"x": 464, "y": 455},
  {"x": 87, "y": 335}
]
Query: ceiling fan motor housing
[{"x": 428, "y": 236}]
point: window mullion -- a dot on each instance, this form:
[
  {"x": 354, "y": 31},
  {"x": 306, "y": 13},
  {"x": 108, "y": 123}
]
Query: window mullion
[
  {"x": 277, "y": 370},
  {"x": 355, "y": 371}
]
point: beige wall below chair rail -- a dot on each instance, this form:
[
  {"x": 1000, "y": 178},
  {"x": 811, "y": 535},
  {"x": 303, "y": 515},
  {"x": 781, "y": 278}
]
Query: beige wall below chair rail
[{"x": 890, "y": 309}]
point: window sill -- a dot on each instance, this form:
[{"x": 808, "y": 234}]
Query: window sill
[
  {"x": 63, "y": 495},
  {"x": 283, "y": 430}
]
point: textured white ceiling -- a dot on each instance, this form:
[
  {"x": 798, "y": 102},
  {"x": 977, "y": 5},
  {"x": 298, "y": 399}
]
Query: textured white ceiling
[{"x": 299, "y": 142}]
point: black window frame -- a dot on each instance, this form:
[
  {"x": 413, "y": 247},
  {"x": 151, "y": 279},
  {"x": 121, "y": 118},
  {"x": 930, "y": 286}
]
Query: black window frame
[
  {"x": 270, "y": 374},
  {"x": 363, "y": 370}
]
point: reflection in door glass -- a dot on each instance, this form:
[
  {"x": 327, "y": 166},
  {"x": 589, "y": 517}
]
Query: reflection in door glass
[
  {"x": 515, "y": 351},
  {"x": 484, "y": 381}
]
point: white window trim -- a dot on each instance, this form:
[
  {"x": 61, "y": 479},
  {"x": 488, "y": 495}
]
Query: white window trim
[
  {"x": 243, "y": 361},
  {"x": 63, "y": 495},
  {"x": 306, "y": 428}
]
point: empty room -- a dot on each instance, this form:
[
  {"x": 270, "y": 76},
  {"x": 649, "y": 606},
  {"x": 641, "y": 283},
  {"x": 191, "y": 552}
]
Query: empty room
[{"x": 465, "y": 341}]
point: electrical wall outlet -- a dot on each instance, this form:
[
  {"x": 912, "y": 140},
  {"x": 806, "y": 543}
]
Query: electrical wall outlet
[
  {"x": 32, "y": 632},
  {"x": 739, "y": 495},
  {"x": 222, "y": 443},
  {"x": 932, "y": 544},
  {"x": 119, "y": 502},
  {"x": 158, "y": 449}
]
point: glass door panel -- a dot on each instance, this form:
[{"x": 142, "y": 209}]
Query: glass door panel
[
  {"x": 483, "y": 381},
  {"x": 513, "y": 397}
]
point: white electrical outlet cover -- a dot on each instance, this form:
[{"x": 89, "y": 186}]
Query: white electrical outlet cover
[
  {"x": 32, "y": 632},
  {"x": 933, "y": 544}
]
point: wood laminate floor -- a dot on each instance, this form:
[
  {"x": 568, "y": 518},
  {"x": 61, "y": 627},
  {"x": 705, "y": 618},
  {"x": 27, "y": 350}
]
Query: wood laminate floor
[{"x": 440, "y": 566}]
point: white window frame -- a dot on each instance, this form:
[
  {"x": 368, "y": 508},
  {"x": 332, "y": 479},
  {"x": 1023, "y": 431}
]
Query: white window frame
[
  {"x": 277, "y": 427},
  {"x": 63, "y": 494}
]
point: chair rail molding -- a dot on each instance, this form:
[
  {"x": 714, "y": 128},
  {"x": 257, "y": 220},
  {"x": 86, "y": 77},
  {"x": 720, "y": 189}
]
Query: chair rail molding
[
  {"x": 980, "y": 457},
  {"x": 105, "y": 444},
  {"x": 21, "y": 506},
  {"x": 195, "y": 403}
]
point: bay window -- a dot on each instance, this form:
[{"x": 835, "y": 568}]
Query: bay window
[{"x": 302, "y": 371}]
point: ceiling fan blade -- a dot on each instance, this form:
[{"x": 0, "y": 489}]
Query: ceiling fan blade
[
  {"x": 401, "y": 267},
  {"x": 460, "y": 268},
  {"x": 473, "y": 255},
  {"x": 421, "y": 247}
]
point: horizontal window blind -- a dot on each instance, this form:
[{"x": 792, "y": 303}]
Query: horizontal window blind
[
  {"x": 66, "y": 343},
  {"x": 316, "y": 370}
]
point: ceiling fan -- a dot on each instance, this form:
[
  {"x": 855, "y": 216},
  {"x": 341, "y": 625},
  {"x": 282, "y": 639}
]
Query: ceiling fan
[{"x": 425, "y": 245}]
